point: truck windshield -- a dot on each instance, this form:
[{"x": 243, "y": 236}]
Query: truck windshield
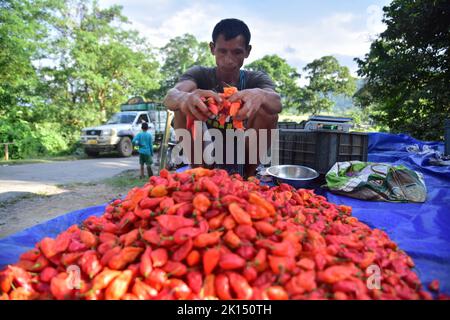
[{"x": 122, "y": 118}]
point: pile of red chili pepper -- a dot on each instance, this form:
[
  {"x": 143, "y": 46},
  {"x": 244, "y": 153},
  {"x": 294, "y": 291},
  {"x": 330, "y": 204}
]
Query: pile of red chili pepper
[
  {"x": 203, "y": 234},
  {"x": 221, "y": 110}
]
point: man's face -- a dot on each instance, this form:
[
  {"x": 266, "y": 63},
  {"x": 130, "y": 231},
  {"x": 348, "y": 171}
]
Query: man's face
[{"x": 230, "y": 54}]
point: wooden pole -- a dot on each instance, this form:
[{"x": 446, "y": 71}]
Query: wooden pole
[{"x": 6, "y": 152}]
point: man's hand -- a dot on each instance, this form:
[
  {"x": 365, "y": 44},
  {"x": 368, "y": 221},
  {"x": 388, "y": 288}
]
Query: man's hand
[
  {"x": 252, "y": 100},
  {"x": 192, "y": 104}
]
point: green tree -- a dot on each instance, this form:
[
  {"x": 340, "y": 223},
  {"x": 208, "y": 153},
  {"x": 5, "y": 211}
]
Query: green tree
[
  {"x": 24, "y": 27},
  {"x": 99, "y": 63},
  {"x": 326, "y": 78},
  {"x": 178, "y": 55},
  {"x": 284, "y": 76},
  {"x": 407, "y": 68}
]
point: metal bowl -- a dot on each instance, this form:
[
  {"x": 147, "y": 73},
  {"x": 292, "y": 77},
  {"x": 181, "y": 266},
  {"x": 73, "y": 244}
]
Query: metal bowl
[{"x": 296, "y": 176}]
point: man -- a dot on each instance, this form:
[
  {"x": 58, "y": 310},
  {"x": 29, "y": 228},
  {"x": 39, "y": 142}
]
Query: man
[
  {"x": 261, "y": 104},
  {"x": 144, "y": 141}
]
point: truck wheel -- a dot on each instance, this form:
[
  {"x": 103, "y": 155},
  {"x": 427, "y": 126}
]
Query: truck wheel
[
  {"x": 91, "y": 153},
  {"x": 125, "y": 147}
]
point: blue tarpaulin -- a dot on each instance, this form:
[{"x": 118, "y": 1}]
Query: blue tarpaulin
[{"x": 422, "y": 230}]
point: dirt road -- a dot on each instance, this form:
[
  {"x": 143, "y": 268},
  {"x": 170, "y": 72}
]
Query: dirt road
[
  {"x": 44, "y": 178},
  {"x": 33, "y": 193}
]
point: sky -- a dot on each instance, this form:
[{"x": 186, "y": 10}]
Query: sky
[{"x": 298, "y": 31}]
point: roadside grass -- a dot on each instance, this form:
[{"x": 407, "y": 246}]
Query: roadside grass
[
  {"x": 25, "y": 196},
  {"x": 121, "y": 183},
  {"x": 125, "y": 180},
  {"x": 42, "y": 160}
]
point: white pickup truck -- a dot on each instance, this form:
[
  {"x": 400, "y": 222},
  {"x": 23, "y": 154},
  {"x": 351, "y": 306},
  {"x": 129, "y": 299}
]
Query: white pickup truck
[{"x": 120, "y": 129}]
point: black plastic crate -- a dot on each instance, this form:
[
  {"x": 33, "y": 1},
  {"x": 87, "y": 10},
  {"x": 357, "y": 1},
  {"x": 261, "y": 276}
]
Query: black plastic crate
[
  {"x": 320, "y": 150},
  {"x": 447, "y": 137},
  {"x": 290, "y": 125}
]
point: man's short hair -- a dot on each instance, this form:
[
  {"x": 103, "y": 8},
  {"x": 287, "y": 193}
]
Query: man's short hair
[
  {"x": 230, "y": 29},
  {"x": 144, "y": 126}
]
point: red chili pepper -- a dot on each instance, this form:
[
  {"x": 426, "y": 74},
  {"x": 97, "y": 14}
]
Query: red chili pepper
[
  {"x": 146, "y": 266},
  {"x": 88, "y": 238},
  {"x": 305, "y": 281},
  {"x": 129, "y": 238},
  {"x": 229, "y": 223},
  {"x": 265, "y": 228},
  {"x": 159, "y": 257},
  {"x": 150, "y": 203},
  {"x": 260, "y": 261},
  {"x": 193, "y": 258},
  {"x": 157, "y": 278},
  {"x": 108, "y": 255},
  {"x": 143, "y": 291},
  {"x": 173, "y": 223},
  {"x": 277, "y": 293},
  {"x": 6, "y": 280},
  {"x": 167, "y": 203},
  {"x": 201, "y": 202},
  {"x": 237, "y": 124},
  {"x": 335, "y": 274},
  {"x": 210, "y": 260},
  {"x": 208, "y": 289},
  {"x": 124, "y": 257},
  {"x": 143, "y": 213},
  {"x": 179, "y": 288},
  {"x": 119, "y": 286},
  {"x": 240, "y": 286},
  {"x": 254, "y": 198},
  {"x": 234, "y": 108},
  {"x": 207, "y": 239},
  {"x": 48, "y": 247},
  {"x": 195, "y": 281},
  {"x": 231, "y": 261},
  {"x": 59, "y": 287},
  {"x": 176, "y": 269},
  {"x": 103, "y": 279},
  {"x": 239, "y": 214},
  {"x": 216, "y": 222},
  {"x": 90, "y": 264},
  {"x": 211, "y": 187},
  {"x": 182, "y": 252},
  {"x": 159, "y": 191},
  {"x": 246, "y": 232},
  {"x": 183, "y": 196},
  {"x": 232, "y": 240},
  {"x": 222, "y": 287},
  {"x": 280, "y": 265},
  {"x": 434, "y": 285},
  {"x": 213, "y": 108},
  {"x": 222, "y": 119},
  {"x": 31, "y": 255},
  {"x": 22, "y": 294},
  {"x": 306, "y": 264},
  {"x": 182, "y": 235},
  {"x": 247, "y": 252}
]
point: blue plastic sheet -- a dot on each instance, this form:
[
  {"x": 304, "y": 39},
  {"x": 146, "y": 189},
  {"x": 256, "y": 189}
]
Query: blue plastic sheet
[
  {"x": 422, "y": 230},
  {"x": 13, "y": 246}
]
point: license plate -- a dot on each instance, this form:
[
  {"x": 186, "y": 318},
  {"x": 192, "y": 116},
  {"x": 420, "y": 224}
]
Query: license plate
[{"x": 92, "y": 141}]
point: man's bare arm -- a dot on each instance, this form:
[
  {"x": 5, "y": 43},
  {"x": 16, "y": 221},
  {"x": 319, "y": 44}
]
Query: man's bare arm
[
  {"x": 254, "y": 100},
  {"x": 272, "y": 102},
  {"x": 177, "y": 94},
  {"x": 186, "y": 98}
]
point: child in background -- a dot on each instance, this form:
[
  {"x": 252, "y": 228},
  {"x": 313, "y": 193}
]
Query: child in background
[{"x": 144, "y": 141}]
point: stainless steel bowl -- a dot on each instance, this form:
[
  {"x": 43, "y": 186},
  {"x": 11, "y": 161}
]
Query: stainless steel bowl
[{"x": 296, "y": 176}]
